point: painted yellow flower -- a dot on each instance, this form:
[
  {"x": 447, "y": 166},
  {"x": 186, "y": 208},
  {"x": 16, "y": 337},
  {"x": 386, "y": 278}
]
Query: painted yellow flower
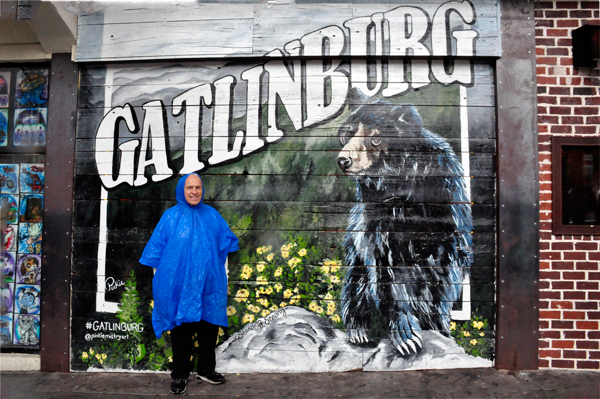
[
  {"x": 481, "y": 334},
  {"x": 313, "y": 306},
  {"x": 278, "y": 287},
  {"x": 325, "y": 269},
  {"x": 101, "y": 361},
  {"x": 170, "y": 359},
  {"x": 278, "y": 272},
  {"x": 262, "y": 280},
  {"x": 264, "y": 302},
  {"x": 287, "y": 293},
  {"x": 262, "y": 250},
  {"x": 270, "y": 257},
  {"x": 473, "y": 342},
  {"x": 247, "y": 269},
  {"x": 91, "y": 351},
  {"x": 294, "y": 299},
  {"x": 265, "y": 313},
  {"x": 334, "y": 269},
  {"x": 273, "y": 308},
  {"x": 336, "y": 318},
  {"x": 84, "y": 355},
  {"x": 283, "y": 305},
  {"x": 260, "y": 266},
  {"x": 302, "y": 252},
  {"x": 248, "y": 318},
  {"x": 285, "y": 254},
  {"x": 98, "y": 356},
  {"x": 294, "y": 262},
  {"x": 231, "y": 311},
  {"x": 452, "y": 326},
  {"x": 330, "y": 311},
  {"x": 253, "y": 308},
  {"x": 269, "y": 291},
  {"x": 152, "y": 304},
  {"x": 328, "y": 296},
  {"x": 242, "y": 295},
  {"x": 221, "y": 332},
  {"x": 196, "y": 344},
  {"x": 466, "y": 333},
  {"x": 334, "y": 279},
  {"x": 104, "y": 356},
  {"x": 478, "y": 324},
  {"x": 245, "y": 276},
  {"x": 319, "y": 310}
]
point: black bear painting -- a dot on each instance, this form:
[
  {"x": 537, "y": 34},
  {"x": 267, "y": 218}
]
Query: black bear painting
[{"x": 408, "y": 243}]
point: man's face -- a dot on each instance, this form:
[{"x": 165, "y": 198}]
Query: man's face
[{"x": 193, "y": 190}]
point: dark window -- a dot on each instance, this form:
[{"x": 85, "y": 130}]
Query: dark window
[{"x": 576, "y": 185}]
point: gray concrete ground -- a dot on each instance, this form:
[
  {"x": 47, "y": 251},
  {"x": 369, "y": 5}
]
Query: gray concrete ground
[{"x": 464, "y": 383}]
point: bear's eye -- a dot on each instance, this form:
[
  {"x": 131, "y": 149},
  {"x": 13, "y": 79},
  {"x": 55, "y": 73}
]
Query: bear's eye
[{"x": 376, "y": 142}]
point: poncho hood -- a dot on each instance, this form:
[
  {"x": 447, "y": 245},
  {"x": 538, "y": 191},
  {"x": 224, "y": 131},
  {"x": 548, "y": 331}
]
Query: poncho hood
[{"x": 188, "y": 248}]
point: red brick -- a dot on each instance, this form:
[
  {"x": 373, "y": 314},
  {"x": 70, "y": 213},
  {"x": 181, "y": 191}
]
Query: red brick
[
  {"x": 542, "y": 344},
  {"x": 570, "y": 100},
  {"x": 557, "y": 51},
  {"x": 563, "y": 285},
  {"x": 551, "y": 353},
  {"x": 587, "y": 325},
  {"x": 547, "y": 99},
  {"x": 593, "y": 315},
  {"x": 574, "y": 255},
  {"x": 587, "y": 285},
  {"x": 594, "y": 256},
  {"x": 563, "y": 344},
  {"x": 574, "y": 334},
  {"x": 544, "y": 246},
  {"x": 543, "y": 304},
  {"x": 574, "y": 354},
  {"x": 544, "y": 324},
  {"x": 587, "y": 265},
  {"x": 543, "y": 363},
  {"x": 574, "y": 315},
  {"x": 564, "y": 42},
  {"x": 591, "y": 81},
  {"x": 547, "y": 119},
  {"x": 561, "y": 246},
  {"x": 546, "y": 80},
  {"x": 540, "y": 52},
  {"x": 545, "y": 285},
  {"x": 594, "y": 354},
  {"x": 550, "y": 314},
  {"x": 550, "y": 334},
  {"x": 586, "y": 110},
  {"x": 572, "y": 120},
  {"x": 567, "y": 4},
  {"x": 566, "y": 23},
  {"x": 574, "y": 275},
  {"x": 555, "y": 14},
  {"x": 544, "y": 4},
  {"x": 594, "y": 276},
  {"x": 580, "y": 14},
  {"x": 587, "y": 344},
  {"x": 562, "y": 324},
  {"x": 587, "y": 246},
  {"x": 586, "y": 305},
  {"x": 550, "y": 255},
  {"x": 592, "y": 120},
  {"x": 593, "y": 296},
  {"x": 581, "y": 364},
  {"x": 589, "y": 4},
  {"x": 549, "y": 275},
  {"x": 593, "y": 334},
  {"x": 592, "y": 101},
  {"x": 543, "y": 41},
  {"x": 542, "y": 110},
  {"x": 560, "y": 110},
  {"x": 545, "y": 23},
  {"x": 585, "y": 129},
  {"x": 574, "y": 295},
  {"x": 563, "y": 265},
  {"x": 557, "y": 32},
  {"x": 563, "y": 364}
]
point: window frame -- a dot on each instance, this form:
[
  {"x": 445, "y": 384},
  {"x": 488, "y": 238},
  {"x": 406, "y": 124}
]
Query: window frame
[{"x": 558, "y": 228}]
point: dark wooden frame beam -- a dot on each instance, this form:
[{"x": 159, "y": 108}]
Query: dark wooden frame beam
[
  {"x": 517, "y": 338},
  {"x": 58, "y": 205}
]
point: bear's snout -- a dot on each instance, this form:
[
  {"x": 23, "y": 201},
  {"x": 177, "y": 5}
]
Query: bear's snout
[{"x": 344, "y": 162}]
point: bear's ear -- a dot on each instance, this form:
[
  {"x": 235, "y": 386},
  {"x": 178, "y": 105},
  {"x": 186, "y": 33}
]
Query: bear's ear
[
  {"x": 408, "y": 116},
  {"x": 356, "y": 98}
]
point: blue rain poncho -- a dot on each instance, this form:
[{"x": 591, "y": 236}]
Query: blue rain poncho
[{"x": 188, "y": 248}]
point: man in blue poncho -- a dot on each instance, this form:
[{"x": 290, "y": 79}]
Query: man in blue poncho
[{"x": 188, "y": 250}]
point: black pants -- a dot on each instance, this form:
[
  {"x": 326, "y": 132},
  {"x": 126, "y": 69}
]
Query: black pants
[{"x": 181, "y": 342}]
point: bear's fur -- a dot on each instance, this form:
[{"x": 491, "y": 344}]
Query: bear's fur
[{"x": 408, "y": 243}]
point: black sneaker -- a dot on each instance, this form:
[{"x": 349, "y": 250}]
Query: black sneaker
[
  {"x": 178, "y": 386},
  {"x": 212, "y": 378}
]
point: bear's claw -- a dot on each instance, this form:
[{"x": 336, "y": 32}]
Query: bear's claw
[
  {"x": 405, "y": 346},
  {"x": 358, "y": 336}
]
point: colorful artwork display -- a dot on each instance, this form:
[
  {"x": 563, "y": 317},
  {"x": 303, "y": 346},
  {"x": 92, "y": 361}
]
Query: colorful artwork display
[
  {"x": 363, "y": 195},
  {"x": 29, "y": 269},
  {"x": 32, "y": 88},
  {"x": 9, "y": 178},
  {"x": 8, "y": 268},
  {"x": 6, "y": 328},
  {"x": 10, "y": 205},
  {"x": 4, "y": 88},
  {"x": 27, "y": 329},
  {"x": 10, "y": 238},
  {"x": 30, "y": 238},
  {"x": 32, "y": 178},
  {"x": 31, "y": 208},
  {"x": 7, "y": 297},
  {"x": 30, "y": 127},
  {"x": 27, "y": 299},
  {"x": 3, "y": 127}
]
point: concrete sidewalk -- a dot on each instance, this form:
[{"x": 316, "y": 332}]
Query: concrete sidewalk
[{"x": 465, "y": 383}]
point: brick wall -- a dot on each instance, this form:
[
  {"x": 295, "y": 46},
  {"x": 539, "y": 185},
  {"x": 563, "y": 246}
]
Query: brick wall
[{"x": 568, "y": 104}]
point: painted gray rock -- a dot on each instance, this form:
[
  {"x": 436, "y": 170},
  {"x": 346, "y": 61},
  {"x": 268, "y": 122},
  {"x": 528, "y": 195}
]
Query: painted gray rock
[{"x": 299, "y": 341}]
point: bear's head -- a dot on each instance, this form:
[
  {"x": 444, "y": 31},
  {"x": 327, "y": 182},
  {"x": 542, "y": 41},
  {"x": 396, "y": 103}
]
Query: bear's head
[{"x": 371, "y": 136}]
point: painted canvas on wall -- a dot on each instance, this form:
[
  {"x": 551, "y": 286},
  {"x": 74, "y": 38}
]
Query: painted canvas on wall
[
  {"x": 29, "y": 269},
  {"x": 8, "y": 267},
  {"x": 31, "y": 208},
  {"x": 10, "y": 203},
  {"x": 4, "y": 88},
  {"x": 32, "y": 88},
  {"x": 30, "y": 238},
  {"x": 363, "y": 195},
  {"x": 9, "y": 178},
  {"x": 32, "y": 178},
  {"x": 27, "y": 329},
  {"x": 3, "y": 127},
  {"x": 6, "y": 328},
  {"x": 10, "y": 238}
]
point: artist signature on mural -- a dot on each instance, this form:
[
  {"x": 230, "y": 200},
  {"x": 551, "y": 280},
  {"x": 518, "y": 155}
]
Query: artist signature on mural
[
  {"x": 259, "y": 323},
  {"x": 111, "y": 284},
  {"x": 118, "y": 337}
]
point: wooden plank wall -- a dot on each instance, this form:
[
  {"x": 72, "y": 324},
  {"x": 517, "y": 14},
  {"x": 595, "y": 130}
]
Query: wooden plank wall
[{"x": 267, "y": 136}]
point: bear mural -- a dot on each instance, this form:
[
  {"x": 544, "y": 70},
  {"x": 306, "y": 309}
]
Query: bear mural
[{"x": 409, "y": 183}]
